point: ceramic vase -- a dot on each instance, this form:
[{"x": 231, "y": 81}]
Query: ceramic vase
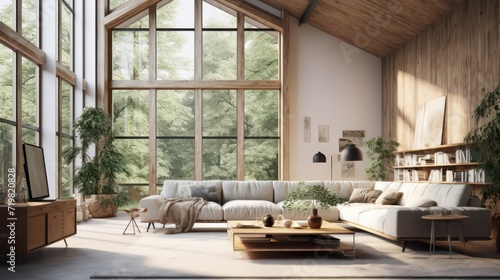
[
  {"x": 268, "y": 220},
  {"x": 314, "y": 221}
]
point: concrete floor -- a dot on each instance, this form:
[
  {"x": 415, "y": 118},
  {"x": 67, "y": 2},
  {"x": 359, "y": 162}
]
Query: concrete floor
[{"x": 99, "y": 241}]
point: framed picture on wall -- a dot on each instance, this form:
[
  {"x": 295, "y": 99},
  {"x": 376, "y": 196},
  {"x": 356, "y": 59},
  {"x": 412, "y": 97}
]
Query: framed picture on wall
[{"x": 323, "y": 133}]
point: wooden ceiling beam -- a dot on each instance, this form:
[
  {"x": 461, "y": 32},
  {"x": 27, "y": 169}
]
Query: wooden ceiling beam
[
  {"x": 125, "y": 11},
  {"x": 307, "y": 12}
]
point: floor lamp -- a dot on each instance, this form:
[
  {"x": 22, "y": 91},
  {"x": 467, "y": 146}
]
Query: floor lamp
[{"x": 349, "y": 153}]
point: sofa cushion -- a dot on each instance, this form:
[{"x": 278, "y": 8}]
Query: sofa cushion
[
  {"x": 249, "y": 209},
  {"x": 351, "y": 212},
  {"x": 247, "y": 190},
  {"x": 389, "y": 197},
  {"x": 374, "y": 219},
  {"x": 412, "y": 192},
  {"x": 171, "y": 187},
  {"x": 364, "y": 195},
  {"x": 344, "y": 188},
  {"x": 387, "y": 185},
  {"x": 211, "y": 212},
  {"x": 449, "y": 195}
]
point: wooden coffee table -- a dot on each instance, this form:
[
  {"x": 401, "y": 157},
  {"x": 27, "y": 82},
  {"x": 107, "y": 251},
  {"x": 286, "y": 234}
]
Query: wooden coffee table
[{"x": 281, "y": 239}]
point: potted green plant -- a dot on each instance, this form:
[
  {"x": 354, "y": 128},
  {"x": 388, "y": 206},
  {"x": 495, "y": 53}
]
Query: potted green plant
[
  {"x": 484, "y": 139},
  {"x": 97, "y": 175},
  {"x": 381, "y": 155},
  {"x": 313, "y": 197}
]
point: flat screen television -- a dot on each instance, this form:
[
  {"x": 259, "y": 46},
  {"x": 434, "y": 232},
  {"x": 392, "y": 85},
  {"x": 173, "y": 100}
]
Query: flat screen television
[{"x": 35, "y": 172}]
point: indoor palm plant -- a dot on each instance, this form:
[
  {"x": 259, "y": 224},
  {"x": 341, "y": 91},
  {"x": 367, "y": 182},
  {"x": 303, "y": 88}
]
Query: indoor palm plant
[
  {"x": 381, "y": 155},
  {"x": 313, "y": 197},
  {"x": 485, "y": 144},
  {"x": 97, "y": 175}
]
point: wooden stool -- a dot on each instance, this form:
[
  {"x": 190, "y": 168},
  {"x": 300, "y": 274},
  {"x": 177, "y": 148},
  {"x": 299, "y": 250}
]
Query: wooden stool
[{"x": 134, "y": 213}]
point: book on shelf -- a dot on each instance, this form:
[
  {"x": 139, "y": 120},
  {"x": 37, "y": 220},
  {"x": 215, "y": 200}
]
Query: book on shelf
[
  {"x": 444, "y": 158},
  {"x": 435, "y": 175},
  {"x": 463, "y": 156},
  {"x": 410, "y": 160},
  {"x": 413, "y": 175}
]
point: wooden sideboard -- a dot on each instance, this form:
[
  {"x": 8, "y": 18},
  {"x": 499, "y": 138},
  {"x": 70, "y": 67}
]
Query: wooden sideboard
[{"x": 35, "y": 225}]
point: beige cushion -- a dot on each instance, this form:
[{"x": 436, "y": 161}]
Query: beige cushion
[
  {"x": 389, "y": 197},
  {"x": 364, "y": 195}
]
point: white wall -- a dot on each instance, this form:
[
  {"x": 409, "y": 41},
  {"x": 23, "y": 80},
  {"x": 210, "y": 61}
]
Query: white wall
[{"x": 335, "y": 84}]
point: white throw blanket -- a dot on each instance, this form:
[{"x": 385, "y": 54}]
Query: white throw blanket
[{"x": 182, "y": 212}]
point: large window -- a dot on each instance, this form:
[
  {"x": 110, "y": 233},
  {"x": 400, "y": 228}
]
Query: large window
[
  {"x": 209, "y": 122},
  {"x": 19, "y": 93},
  {"x": 48, "y": 24},
  {"x": 7, "y": 114},
  {"x": 66, "y": 135},
  {"x": 66, "y": 22}
]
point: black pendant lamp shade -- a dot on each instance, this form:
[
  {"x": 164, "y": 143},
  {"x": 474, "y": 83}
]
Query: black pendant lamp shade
[
  {"x": 351, "y": 153},
  {"x": 319, "y": 157}
]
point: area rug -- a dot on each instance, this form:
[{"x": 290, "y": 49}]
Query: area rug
[{"x": 208, "y": 254}]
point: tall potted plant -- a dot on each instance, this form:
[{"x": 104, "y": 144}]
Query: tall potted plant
[
  {"x": 314, "y": 197},
  {"x": 485, "y": 143},
  {"x": 381, "y": 155},
  {"x": 97, "y": 175}
]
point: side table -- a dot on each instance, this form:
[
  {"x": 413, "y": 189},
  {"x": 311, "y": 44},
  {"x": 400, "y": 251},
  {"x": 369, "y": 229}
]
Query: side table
[
  {"x": 134, "y": 213},
  {"x": 448, "y": 219}
]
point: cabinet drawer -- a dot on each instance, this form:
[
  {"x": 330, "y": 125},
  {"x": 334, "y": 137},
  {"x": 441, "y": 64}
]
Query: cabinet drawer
[{"x": 37, "y": 236}]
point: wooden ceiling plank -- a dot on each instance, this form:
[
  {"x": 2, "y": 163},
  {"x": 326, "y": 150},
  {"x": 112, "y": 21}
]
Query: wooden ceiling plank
[
  {"x": 388, "y": 25},
  {"x": 125, "y": 11},
  {"x": 254, "y": 13}
]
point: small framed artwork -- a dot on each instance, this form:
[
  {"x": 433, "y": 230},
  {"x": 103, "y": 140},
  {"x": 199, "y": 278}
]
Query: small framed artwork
[
  {"x": 355, "y": 137},
  {"x": 307, "y": 129},
  {"x": 323, "y": 133},
  {"x": 353, "y": 133}
]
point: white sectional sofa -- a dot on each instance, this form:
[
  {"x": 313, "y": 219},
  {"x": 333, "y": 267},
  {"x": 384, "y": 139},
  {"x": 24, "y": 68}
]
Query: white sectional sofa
[{"x": 246, "y": 200}]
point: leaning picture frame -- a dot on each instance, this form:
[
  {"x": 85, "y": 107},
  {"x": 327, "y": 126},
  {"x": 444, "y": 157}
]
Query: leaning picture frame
[{"x": 35, "y": 172}]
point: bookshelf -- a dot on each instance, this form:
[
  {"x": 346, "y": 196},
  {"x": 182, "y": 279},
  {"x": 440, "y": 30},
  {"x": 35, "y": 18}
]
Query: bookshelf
[{"x": 452, "y": 163}]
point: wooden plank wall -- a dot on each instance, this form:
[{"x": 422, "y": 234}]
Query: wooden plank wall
[{"x": 457, "y": 57}]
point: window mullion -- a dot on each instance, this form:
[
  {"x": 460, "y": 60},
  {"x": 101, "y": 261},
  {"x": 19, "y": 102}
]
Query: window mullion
[
  {"x": 240, "y": 99},
  {"x": 198, "y": 109},
  {"x": 152, "y": 101}
]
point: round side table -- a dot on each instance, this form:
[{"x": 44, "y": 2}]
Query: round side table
[{"x": 448, "y": 219}]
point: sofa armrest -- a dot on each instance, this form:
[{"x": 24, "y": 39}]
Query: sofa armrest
[
  {"x": 407, "y": 222},
  {"x": 153, "y": 203}
]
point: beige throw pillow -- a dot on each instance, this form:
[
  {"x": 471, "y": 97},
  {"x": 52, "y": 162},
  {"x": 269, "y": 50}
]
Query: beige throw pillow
[
  {"x": 364, "y": 195},
  {"x": 389, "y": 198}
]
